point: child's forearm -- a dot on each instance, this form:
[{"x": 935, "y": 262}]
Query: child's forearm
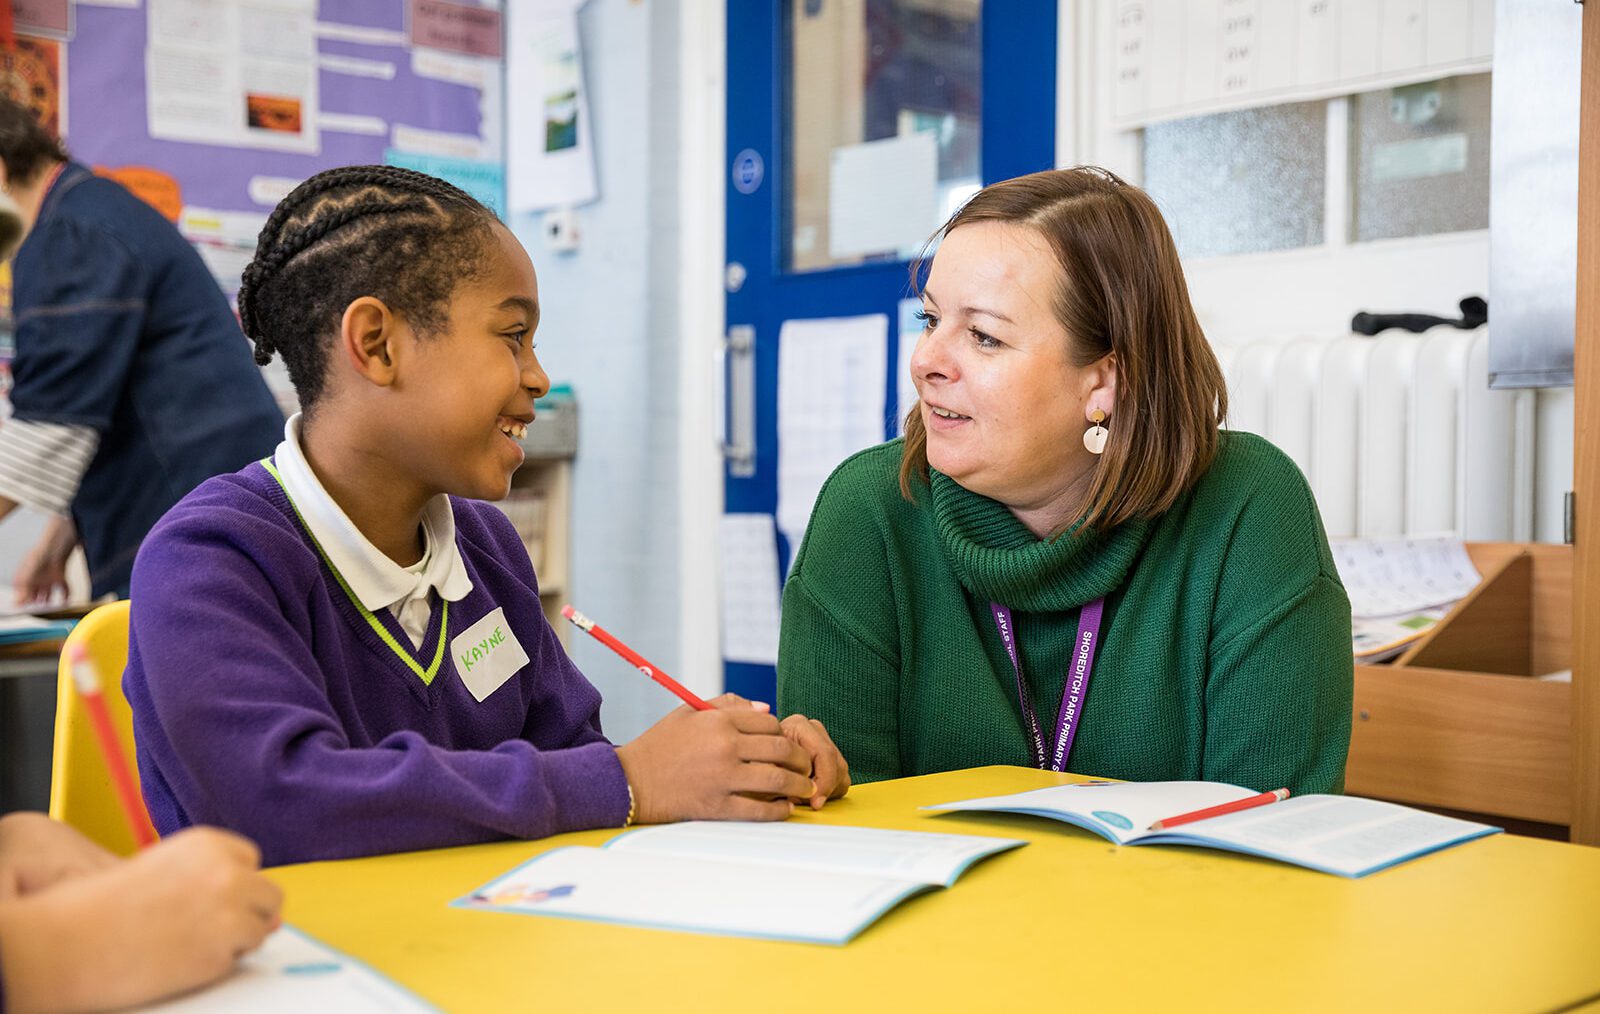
[{"x": 40, "y": 959}]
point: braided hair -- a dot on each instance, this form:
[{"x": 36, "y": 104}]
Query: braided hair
[{"x": 367, "y": 230}]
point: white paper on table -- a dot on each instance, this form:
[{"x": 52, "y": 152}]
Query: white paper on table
[
  {"x": 22, "y": 623},
  {"x": 293, "y": 972},
  {"x": 550, "y": 159},
  {"x": 1384, "y": 577},
  {"x": 927, "y": 856},
  {"x": 748, "y": 564},
  {"x": 831, "y": 380},
  {"x": 243, "y": 75},
  {"x": 883, "y": 196}
]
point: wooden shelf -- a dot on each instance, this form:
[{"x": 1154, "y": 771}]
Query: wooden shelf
[
  {"x": 550, "y": 479},
  {"x": 1461, "y": 721}
]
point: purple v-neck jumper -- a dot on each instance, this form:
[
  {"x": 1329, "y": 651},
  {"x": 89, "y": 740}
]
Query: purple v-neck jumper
[{"x": 264, "y": 701}]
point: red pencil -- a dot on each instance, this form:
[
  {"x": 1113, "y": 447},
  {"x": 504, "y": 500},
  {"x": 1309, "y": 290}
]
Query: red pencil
[
  {"x": 633, "y": 658},
  {"x": 1248, "y": 802},
  {"x": 87, "y": 681}
]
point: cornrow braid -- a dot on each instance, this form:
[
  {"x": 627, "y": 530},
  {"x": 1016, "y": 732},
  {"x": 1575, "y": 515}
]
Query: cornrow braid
[{"x": 404, "y": 237}]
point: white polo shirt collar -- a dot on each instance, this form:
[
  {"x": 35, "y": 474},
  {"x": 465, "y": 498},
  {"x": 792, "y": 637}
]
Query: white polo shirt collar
[{"x": 375, "y": 580}]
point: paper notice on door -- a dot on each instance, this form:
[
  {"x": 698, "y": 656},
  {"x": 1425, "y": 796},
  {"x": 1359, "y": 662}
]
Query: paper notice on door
[
  {"x": 747, "y": 562},
  {"x": 905, "y": 386},
  {"x": 883, "y": 196},
  {"x": 832, "y": 373}
]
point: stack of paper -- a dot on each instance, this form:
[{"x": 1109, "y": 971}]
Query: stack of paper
[
  {"x": 1399, "y": 588},
  {"x": 24, "y": 629}
]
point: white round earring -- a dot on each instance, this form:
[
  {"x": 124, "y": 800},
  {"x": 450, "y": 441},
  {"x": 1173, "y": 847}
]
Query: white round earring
[{"x": 1094, "y": 438}]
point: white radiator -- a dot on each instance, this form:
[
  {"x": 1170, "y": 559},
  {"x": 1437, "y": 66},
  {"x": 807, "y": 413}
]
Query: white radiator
[{"x": 1398, "y": 434}]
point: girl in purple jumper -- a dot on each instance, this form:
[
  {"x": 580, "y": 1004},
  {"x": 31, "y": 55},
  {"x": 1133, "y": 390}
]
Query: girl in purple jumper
[{"x": 301, "y": 664}]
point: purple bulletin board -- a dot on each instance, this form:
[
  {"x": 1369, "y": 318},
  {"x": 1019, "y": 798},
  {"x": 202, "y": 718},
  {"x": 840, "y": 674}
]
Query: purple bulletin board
[{"x": 428, "y": 107}]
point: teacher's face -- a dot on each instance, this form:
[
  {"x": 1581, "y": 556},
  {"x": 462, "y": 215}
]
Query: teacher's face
[{"x": 1002, "y": 402}]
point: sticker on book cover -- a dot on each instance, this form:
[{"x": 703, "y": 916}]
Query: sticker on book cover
[{"x": 487, "y": 654}]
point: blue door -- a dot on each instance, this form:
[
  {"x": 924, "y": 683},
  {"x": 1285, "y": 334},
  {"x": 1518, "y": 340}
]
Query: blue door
[{"x": 854, "y": 128}]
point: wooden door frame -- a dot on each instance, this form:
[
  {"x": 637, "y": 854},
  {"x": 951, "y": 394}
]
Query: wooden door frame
[{"x": 1586, "y": 449}]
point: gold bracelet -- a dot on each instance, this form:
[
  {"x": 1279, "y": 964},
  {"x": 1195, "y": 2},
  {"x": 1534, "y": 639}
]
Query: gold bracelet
[{"x": 629, "y": 821}]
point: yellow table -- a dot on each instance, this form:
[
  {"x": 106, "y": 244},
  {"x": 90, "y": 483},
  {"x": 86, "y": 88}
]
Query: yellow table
[{"x": 1501, "y": 924}]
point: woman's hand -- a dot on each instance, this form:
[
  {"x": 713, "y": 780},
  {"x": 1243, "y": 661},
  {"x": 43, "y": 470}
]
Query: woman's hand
[
  {"x": 731, "y": 763},
  {"x": 176, "y": 916},
  {"x": 37, "y": 852},
  {"x": 829, "y": 770}
]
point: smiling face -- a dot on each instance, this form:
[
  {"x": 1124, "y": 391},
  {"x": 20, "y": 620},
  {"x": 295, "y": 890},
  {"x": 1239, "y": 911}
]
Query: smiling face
[
  {"x": 468, "y": 392},
  {"x": 1002, "y": 401}
]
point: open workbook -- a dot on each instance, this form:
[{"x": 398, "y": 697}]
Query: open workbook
[
  {"x": 1334, "y": 834},
  {"x": 806, "y": 882},
  {"x": 293, "y": 972}
]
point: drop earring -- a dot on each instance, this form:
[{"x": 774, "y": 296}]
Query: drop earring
[{"x": 1094, "y": 438}]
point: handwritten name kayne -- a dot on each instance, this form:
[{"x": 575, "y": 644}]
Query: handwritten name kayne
[{"x": 483, "y": 649}]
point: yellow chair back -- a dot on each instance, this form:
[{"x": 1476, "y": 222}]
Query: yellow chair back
[{"x": 81, "y": 790}]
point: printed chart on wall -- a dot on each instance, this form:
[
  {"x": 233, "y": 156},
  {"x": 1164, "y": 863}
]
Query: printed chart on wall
[{"x": 212, "y": 111}]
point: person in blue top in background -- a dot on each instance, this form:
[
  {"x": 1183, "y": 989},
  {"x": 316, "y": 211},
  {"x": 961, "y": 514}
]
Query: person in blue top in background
[{"x": 132, "y": 380}]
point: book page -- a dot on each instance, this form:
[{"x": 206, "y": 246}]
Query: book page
[
  {"x": 1335, "y": 834},
  {"x": 1384, "y": 577},
  {"x": 291, "y": 971},
  {"x": 904, "y": 855},
  {"x": 23, "y": 628},
  {"x": 698, "y": 895},
  {"x": 1121, "y": 811}
]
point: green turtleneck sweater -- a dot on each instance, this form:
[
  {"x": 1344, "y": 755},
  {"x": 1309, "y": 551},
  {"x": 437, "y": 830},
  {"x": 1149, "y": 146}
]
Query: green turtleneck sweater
[{"x": 1224, "y": 652}]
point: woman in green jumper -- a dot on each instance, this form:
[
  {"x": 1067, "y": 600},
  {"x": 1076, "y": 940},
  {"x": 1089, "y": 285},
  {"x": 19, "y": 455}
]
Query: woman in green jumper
[{"x": 1065, "y": 563}]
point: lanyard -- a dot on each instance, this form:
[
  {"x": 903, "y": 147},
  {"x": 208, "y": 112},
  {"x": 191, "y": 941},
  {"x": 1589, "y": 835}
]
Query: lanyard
[{"x": 1084, "y": 646}]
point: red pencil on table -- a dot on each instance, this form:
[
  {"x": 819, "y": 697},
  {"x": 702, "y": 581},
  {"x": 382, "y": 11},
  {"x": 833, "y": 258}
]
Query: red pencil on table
[
  {"x": 87, "y": 681},
  {"x": 633, "y": 658},
  {"x": 1248, "y": 802}
]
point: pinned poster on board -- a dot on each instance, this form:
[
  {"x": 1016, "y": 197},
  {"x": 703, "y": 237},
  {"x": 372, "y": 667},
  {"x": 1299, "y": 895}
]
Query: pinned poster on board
[
  {"x": 550, "y": 159},
  {"x": 456, "y": 28},
  {"x": 51, "y": 19},
  {"x": 485, "y": 180},
  {"x": 243, "y": 75},
  {"x": 213, "y": 110},
  {"x": 32, "y": 73}
]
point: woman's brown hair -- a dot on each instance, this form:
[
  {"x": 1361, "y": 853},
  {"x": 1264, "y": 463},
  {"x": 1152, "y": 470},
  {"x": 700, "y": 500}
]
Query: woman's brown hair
[{"x": 1122, "y": 293}]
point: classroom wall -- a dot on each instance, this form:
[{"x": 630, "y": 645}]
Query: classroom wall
[
  {"x": 1290, "y": 294},
  {"x": 608, "y": 328}
]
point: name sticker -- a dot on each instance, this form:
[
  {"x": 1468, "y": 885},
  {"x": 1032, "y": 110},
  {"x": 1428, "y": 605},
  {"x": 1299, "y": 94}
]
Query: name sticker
[{"x": 486, "y": 654}]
